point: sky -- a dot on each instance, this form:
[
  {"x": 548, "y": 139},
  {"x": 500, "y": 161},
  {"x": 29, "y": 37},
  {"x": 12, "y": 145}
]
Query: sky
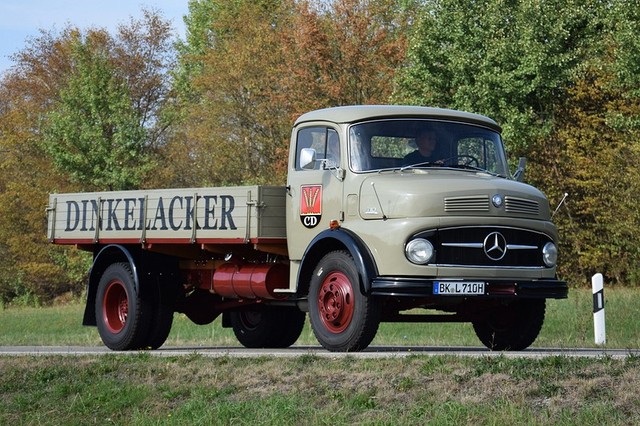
[{"x": 22, "y": 19}]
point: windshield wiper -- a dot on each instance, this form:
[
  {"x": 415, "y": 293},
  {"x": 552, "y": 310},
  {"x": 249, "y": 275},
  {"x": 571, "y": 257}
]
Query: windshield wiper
[
  {"x": 467, "y": 167},
  {"x": 474, "y": 168},
  {"x": 423, "y": 164},
  {"x": 450, "y": 166}
]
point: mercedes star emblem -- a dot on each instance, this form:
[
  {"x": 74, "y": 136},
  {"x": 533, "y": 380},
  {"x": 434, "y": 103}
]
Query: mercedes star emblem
[{"x": 495, "y": 246}]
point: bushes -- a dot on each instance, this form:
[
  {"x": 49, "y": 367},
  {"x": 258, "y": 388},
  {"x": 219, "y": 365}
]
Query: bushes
[{"x": 33, "y": 283}]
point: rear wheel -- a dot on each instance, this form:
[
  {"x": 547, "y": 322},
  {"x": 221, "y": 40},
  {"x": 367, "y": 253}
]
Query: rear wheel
[
  {"x": 122, "y": 316},
  {"x": 343, "y": 319},
  {"x": 268, "y": 327},
  {"x": 162, "y": 295},
  {"x": 513, "y": 327}
]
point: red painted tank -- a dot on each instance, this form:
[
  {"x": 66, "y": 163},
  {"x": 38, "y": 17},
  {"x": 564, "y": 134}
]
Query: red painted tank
[{"x": 252, "y": 281}]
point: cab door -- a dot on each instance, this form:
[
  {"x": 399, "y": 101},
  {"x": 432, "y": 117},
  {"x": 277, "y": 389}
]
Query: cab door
[{"x": 314, "y": 185}]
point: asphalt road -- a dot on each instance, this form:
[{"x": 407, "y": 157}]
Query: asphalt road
[{"x": 296, "y": 351}]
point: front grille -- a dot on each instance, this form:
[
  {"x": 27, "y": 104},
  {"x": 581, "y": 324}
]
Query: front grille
[
  {"x": 521, "y": 205},
  {"x": 479, "y": 203},
  {"x": 467, "y": 246}
]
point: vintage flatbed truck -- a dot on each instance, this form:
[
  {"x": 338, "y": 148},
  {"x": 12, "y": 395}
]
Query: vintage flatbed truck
[{"x": 361, "y": 233}]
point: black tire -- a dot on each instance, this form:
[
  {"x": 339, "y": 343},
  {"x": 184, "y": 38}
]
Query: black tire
[
  {"x": 291, "y": 325},
  {"x": 267, "y": 327},
  {"x": 513, "y": 327},
  {"x": 342, "y": 318},
  {"x": 122, "y": 316},
  {"x": 162, "y": 297}
]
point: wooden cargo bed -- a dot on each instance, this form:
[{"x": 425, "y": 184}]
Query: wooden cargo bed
[{"x": 202, "y": 218}]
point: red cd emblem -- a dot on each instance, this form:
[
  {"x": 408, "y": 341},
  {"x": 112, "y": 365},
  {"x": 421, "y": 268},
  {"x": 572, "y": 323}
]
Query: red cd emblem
[{"x": 310, "y": 205}]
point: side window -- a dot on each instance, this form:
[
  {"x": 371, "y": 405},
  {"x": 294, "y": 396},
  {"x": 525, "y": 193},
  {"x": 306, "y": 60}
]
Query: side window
[
  {"x": 332, "y": 152},
  {"x": 324, "y": 141}
]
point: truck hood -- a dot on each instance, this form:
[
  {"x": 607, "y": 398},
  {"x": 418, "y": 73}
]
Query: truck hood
[{"x": 421, "y": 193}]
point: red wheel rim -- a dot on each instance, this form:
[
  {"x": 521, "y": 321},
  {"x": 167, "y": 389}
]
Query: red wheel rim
[
  {"x": 335, "y": 302},
  {"x": 115, "y": 306}
]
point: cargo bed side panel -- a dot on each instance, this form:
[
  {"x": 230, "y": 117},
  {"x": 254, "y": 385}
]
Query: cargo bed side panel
[{"x": 195, "y": 215}]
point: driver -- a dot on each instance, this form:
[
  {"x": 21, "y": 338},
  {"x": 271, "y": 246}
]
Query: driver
[{"x": 426, "y": 146}]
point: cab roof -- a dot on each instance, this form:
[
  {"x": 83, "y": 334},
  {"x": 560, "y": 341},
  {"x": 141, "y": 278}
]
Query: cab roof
[{"x": 356, "y": 113}]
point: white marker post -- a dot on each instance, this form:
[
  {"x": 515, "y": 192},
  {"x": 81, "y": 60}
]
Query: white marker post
[{"x": 597, "y": 285}]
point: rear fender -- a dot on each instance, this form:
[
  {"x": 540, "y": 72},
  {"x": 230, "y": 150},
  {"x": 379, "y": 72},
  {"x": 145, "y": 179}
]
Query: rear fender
[{"x": 108, "y": 255}]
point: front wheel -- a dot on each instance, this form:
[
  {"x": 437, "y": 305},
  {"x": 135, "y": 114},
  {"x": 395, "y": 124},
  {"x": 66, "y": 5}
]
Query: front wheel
[
  {"x": 513, "y": 327},
  {"x": 342, "y": 318}
]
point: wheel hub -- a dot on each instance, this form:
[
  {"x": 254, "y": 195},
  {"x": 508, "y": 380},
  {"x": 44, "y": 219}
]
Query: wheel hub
[
  {"x": 115, "y": 307},
  {"x": 335, "y": 302}
]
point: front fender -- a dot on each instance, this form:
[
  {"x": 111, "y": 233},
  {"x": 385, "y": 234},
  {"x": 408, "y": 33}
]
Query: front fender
[{"x": 337, "y": 239}]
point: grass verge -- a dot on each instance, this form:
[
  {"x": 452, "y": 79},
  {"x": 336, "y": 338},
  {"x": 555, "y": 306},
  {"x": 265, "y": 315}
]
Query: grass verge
[
  {"x": 568, "y": 323},
  {"x": 144, "y": 390}
]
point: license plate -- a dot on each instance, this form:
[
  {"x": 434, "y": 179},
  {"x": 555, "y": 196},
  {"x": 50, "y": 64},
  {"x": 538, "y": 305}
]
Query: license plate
[{"x": 458, "y": 288}]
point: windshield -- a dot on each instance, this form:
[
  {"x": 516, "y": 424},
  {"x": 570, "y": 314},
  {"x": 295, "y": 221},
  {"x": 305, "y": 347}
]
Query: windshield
[{"x": 409, "y": 143}]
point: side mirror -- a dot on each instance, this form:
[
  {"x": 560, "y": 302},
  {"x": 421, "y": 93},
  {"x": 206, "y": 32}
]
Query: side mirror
[
  {"x": 519, "y": 173},
  {"x": 308, "y": 158}
]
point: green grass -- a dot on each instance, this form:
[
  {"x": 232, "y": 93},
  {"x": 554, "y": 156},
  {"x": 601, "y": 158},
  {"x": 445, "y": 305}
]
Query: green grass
[
  {"x": 569, "y": 323},
  {"x": 145, "y": 390}
]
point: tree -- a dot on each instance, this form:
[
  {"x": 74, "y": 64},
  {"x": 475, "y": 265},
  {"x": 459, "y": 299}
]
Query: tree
[
  {"x": 624, "y": 57},
  {"x": 593, "y": 156},
  {"x": 262, "y": 64},
  {"x": 108, "y": 117},
  {"x": 94, "y": 134},
  {"x": 596, "y": 165},
  {"x": 513, "y": 60},
  {"x": 45, "y": 78},
  {"x": 348, "y": 49},
  {"x": 29, "y": 267},
  {"x": 143, "y": 57}
]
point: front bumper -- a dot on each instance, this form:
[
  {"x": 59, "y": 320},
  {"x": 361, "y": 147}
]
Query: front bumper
[{"x": 494, "y": 288}]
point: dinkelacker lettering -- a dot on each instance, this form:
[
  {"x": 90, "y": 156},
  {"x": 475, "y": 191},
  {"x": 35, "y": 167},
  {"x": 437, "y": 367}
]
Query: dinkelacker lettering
[{"x": 128, "y": 214}]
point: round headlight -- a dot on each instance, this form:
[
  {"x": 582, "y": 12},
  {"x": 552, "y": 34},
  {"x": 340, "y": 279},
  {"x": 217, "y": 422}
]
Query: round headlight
[
  {"x": 550, "y": 254},
  {"x": 419, "y": 251}
]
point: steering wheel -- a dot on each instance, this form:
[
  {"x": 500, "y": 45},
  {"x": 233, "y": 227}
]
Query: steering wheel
[{"x": 468, "y": 160}]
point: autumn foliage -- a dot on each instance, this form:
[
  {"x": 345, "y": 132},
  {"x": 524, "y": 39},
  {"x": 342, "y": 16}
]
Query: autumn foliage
[{"x": 263, "y": 64}]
